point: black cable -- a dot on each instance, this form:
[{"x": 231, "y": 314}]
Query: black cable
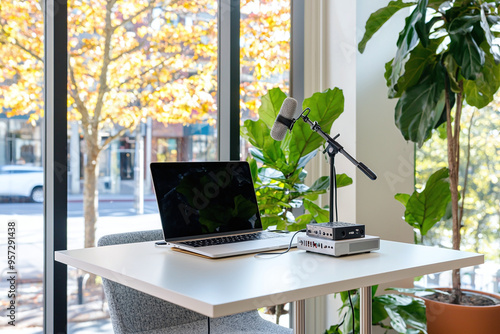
[
  {"x": 208, "y": 318},
  {"x": 334, "y": 175},
  {"x": 281, "y": 253},
  {"x": 335, "y": 190},
  {"x": 352, "y": 311}
]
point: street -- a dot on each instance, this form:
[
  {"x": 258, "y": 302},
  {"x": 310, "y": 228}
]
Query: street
[{"x": 106, "y": 208}]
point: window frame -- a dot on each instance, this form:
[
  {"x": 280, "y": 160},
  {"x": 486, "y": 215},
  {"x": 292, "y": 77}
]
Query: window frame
[{"x": 55, "y": 164}]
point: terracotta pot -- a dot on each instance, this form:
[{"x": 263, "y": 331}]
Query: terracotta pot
[{"x": 444, "y": 318}]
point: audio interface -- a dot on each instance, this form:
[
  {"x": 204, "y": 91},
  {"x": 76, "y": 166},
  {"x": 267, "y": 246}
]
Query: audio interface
[
  {"x": 339, "y": 247},
  {"x": 336, "y": 230}
]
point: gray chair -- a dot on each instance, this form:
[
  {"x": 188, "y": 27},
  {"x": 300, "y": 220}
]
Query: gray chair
[{"x": 133, "y": 311}]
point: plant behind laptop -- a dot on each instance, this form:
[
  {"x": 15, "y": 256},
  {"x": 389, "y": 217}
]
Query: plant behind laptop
[{"x": 278, "y": 167}]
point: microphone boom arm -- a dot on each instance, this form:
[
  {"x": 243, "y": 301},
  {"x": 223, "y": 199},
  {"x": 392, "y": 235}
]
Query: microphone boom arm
[{"x": 334, "y": 146}]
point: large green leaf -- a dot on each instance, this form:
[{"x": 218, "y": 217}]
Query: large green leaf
[
  {"x": 419, "y": 109},
  {"x": 254, "y": 170},
  {"x": 420, "y": 58},
  {"x": 426, "y": 208},
  {"x": 408, "y": 39},
  {"x": 463, "y": 24},
  {"x": 271, "y": 105},
  {"x": 378, "y": 18},
  {"x": 480, "y": 92},
  {"x": 488, "y": 35},
  {"x": 468, "y": 55},
  {"x": 268, "y": 221},
  {"x": 321, "y": 184},
  {"x": 405, "y": 312},
  {"x": 325, "y": 108},
  {"x": 306, "y": 158},
  {"x": 402, "y": 198},
  {"x": 343, "y": 180},
  {"x": 258, "y": 134},
  {"x": 320, "y": 215}
]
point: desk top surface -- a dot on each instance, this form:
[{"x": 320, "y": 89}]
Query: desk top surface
[{"x": 219, "y": 287}]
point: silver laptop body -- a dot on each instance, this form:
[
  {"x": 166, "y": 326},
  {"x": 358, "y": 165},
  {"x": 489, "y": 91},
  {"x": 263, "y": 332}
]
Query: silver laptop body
[{"x": 202, "y": 205}]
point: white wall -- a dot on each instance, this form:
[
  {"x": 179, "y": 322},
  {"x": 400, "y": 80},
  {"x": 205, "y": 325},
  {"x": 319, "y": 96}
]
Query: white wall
[
  {"x": 379, "y": 143},
  {"x": 367, "y": 131}
]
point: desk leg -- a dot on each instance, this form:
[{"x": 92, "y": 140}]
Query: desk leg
[
  {"x": 365, "y": 320},
  {"x": 299, "y": 317}
]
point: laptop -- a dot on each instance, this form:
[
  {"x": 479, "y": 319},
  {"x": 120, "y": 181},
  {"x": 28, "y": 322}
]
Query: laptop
[{"x": 210, "y": 208}]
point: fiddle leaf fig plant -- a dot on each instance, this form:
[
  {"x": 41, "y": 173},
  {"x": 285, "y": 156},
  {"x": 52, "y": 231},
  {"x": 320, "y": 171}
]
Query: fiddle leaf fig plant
[
  {"x": 446, "y": 56},
  {"x": 278, "y": 167}
]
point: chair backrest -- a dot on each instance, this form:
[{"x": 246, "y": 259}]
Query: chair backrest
[{"x": 133, "y": 311}]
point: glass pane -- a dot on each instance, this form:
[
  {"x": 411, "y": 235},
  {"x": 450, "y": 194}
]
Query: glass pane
[
  {"x": 264, "y": 54},
  {"x": 265, "y": 35},
  {"x": 481, "y": 218},
  {"x": 21, "y": 171},
  {"x": 142, "y": 88}
]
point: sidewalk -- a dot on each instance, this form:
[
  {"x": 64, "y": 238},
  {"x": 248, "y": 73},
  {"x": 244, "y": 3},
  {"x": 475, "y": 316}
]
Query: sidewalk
[
  {"x": 90, "y": 317},
  {"x": 125, "y": 193},
  {"x": 111, "y": 197}
]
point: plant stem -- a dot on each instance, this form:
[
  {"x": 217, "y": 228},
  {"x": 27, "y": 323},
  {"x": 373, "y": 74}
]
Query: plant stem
[
  {"x": 453, "y": 144},
  {"x": 466, "y": 174}
]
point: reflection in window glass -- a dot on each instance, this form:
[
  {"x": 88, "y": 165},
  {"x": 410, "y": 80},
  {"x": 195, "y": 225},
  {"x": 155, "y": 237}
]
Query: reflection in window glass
[{"x": 21, "y": 172}]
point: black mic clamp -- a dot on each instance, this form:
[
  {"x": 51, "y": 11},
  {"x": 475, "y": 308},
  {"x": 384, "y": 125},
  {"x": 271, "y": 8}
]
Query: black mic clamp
[{"x": 285, "y": 121}]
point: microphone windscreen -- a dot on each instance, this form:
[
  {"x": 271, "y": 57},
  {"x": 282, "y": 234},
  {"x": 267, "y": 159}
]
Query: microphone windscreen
[{"x": 287, "y": 111}]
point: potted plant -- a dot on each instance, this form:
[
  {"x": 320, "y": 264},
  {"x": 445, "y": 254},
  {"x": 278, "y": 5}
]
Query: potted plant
[{"x": 446, "y": 57}]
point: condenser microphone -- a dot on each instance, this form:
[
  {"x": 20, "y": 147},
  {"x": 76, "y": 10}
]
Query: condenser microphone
[{"x": 284, "y": 120}]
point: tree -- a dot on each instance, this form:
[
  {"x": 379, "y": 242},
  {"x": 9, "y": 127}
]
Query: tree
[{"x": 128, "y": 60}]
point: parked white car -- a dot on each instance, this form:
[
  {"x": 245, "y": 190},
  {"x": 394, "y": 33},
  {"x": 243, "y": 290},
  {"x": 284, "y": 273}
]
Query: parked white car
[{"x": 21, "y": 180}]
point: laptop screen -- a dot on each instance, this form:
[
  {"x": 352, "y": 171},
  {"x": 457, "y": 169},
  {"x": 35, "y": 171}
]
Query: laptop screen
[{"x": 196, "y": 199}]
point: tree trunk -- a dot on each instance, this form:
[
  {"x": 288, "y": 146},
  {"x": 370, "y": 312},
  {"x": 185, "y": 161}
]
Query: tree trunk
[
  {"x": 90, "y": 195},
  {"x": 91, "y": 201}
]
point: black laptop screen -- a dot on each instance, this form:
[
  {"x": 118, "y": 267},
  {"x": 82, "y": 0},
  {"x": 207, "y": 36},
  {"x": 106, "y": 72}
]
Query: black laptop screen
[{"x": 200, "y": 198}]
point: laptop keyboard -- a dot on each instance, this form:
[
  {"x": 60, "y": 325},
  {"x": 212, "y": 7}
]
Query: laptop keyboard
[{"x": 231, "y": 239}]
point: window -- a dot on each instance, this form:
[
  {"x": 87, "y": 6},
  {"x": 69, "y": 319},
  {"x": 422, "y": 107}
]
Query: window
[
  {"x": 265, "y": 36},
  {"x": 143, "y": 85},
  {"x": 481, "y": 219}
]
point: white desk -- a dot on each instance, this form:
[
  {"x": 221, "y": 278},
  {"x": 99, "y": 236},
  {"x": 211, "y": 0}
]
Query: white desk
[{"x": 227, "y": 286}]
